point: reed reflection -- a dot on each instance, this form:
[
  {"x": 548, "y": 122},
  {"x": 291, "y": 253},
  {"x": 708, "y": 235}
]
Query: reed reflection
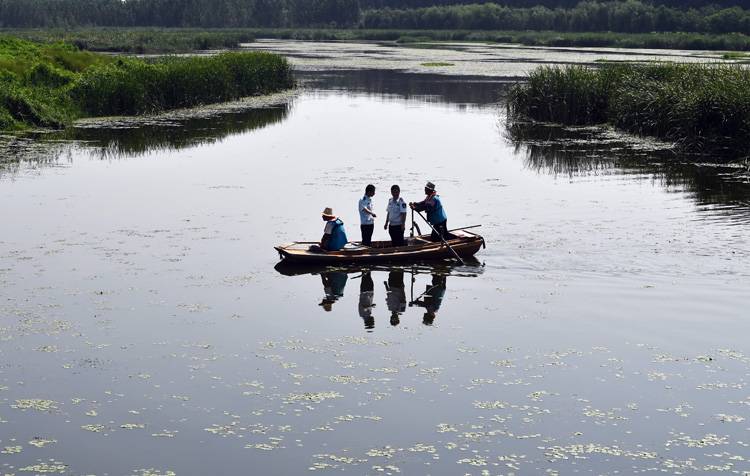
[
  {"x": 574, "y": 152},
  {"x": 461, "y": 91},
  {"x": 399, "y": 298},
  {"x": 171, "y": 134}
]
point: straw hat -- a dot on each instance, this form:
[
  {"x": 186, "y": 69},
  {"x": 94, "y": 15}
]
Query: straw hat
[{"x": 328, "y": 212}]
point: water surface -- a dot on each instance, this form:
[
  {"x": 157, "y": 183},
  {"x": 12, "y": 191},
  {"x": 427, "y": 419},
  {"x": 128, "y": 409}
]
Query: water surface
[{"x": 146, "y": 328}]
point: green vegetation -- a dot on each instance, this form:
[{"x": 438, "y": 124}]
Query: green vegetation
[
  {"x": 139, "y": 40},
  {"x": 150, "y": 40},
  {"x": 702, "y": 108},
  {"x": 50, "y": 85},
  {"x": 628, "y": 16},
  {"x": 735, "y": 55}
]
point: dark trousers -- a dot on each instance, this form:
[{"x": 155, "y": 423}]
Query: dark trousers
[
  {"x": 367, "y": 231},
  {"x": 397, "y": 235},
  {"x": 441, "y": 228}
]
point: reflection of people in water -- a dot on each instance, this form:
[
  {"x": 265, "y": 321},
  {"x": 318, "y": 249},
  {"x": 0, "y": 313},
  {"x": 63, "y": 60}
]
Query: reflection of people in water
[
  {"x": 366, "y": 297},
  {"x": 433, "y": 298},
  {"x": 395, "y": 297},
  {"x": 333, "y": 286}
]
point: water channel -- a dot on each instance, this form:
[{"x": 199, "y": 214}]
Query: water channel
[{"x": 146, "y": 329}]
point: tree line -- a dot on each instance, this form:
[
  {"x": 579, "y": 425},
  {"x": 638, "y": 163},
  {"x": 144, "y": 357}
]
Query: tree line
[
  {"x": 631, "y": 16},
  {"x": 718, "y": 16}
]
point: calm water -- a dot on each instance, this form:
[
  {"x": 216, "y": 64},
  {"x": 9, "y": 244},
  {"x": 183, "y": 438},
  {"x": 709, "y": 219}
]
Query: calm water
[{"x": 144, "y": 328}]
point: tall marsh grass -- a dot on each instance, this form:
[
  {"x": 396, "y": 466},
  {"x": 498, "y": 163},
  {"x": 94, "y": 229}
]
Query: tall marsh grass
[
  {"x": 49, "y": 85},
  {"x": 702, "y": 108},
  {"x": 133, "y": 86}
]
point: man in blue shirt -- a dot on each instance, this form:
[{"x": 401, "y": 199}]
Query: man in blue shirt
[
  {"x": 334, "y": 235},
  {"x": 435, "y": 212},
  {"x": 366, "y": 215}
]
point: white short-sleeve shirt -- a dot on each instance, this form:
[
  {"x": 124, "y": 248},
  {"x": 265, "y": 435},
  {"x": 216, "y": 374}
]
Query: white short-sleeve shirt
[
  {"x": 364, "y": 217},
  {"x": 395, "y": 209}
]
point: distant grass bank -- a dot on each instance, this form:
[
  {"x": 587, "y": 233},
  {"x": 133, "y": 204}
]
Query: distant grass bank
[
  {"x": 702, "y": 108},
  {"x": 174, "y": 40},
  {"x": 50, "y": 85}
]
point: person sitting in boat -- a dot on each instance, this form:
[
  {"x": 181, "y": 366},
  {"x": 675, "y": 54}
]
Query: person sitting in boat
[
  {"x": 395, "y": 220},
  {"x": 435, "y": 212},
  {"x": 334, "y": 235}
]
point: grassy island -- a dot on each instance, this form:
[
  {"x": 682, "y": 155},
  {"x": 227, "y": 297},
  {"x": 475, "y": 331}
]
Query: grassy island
[
  {"x": 702, "y": 108},
  {"x": 50, "y": 85}
]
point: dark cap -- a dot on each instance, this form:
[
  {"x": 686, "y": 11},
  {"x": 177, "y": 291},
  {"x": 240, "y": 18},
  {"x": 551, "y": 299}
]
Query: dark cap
[{"x": 430, "y": 186}]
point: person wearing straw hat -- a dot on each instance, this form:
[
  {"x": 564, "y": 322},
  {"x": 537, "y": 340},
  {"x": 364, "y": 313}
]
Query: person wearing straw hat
[
  {"x": 435, "y": 212},
  {"x": 334, "y": 235}
]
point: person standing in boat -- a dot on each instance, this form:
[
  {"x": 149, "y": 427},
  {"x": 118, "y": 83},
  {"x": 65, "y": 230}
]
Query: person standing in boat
[
  {"x": 334, "y": 235},
  {"x": 366, "y": 215},
  {"x": 395, "y": 219},
  {"x": 435, "y": 212}
]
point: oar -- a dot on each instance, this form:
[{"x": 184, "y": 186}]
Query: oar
[
  {"x": 442, "y": 239},
  {"x": 465, "y": 228}
]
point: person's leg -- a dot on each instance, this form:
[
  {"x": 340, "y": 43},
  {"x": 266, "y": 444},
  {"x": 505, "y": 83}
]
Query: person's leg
[
  {"x": 397, "y": 235},
  {"x": 367, "y": 231},
  {"x": 443, "y": 229}
]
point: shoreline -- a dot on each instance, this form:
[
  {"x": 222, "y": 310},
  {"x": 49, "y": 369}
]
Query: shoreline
[{"x": 145, "y": 40}]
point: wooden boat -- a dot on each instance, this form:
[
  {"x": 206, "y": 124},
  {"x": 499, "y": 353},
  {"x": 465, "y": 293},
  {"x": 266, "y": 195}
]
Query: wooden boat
[{"x": 417, "y": 248}]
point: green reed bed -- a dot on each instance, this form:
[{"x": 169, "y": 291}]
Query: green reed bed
[
  {"x": 702, "y": 108},
  {"x": 49, "y": 85},
  {"x": 139, "y": 40}
]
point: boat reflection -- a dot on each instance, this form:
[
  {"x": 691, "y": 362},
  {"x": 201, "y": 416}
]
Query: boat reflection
[{"x": 398, "y": 299}]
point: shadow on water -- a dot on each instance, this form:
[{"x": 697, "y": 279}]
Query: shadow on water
[
  {"x": 461, "y": 91},
  {"x": 132, "y": 137},
  {"x": 400, "y": 298},
  {"x": 575, "y": 152},
  {"x": 171, "y": 134}
]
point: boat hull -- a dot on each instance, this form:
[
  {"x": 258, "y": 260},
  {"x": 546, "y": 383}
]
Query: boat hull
[{"x": 465, "y": 244}]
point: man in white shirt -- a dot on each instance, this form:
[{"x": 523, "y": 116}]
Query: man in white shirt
[
  {"x": 366, "y": 215},
  {"x": 395, "y": 221}
]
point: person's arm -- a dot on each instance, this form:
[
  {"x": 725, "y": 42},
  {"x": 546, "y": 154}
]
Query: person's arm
[
  {"x": 385, "y": 227},
  {"x": 327, "y": 233},
  {"x": 369, "y": 212},
  {"x": 403, "y": 220}
]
